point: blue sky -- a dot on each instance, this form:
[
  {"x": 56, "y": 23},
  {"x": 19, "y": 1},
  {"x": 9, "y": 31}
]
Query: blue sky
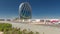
[{"x": 40, "y": 8}]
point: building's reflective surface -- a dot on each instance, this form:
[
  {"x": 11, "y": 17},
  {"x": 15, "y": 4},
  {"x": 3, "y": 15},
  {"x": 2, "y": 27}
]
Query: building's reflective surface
[{"x": 25, "y": 11}]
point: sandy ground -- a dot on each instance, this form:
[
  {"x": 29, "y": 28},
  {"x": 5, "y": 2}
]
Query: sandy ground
[
  {"x": 1, "y": 32},
  {"x": 38, "y": 28}
]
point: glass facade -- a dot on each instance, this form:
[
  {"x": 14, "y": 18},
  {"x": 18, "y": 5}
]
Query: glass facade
[{"x": 25, "y": 11}]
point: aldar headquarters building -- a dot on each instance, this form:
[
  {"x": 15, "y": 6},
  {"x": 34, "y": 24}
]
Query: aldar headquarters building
[{"x": 25, "y": 11}]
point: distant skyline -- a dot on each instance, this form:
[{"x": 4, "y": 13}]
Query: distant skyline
[{"x": 40, "y": 8}]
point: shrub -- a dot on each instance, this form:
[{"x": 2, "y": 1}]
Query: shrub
[
  {"x": 37, "y": 32},
  {"x": 5, "y": 26},
  {"x": 7, "y": 29},
  {"x": 30, "y": 32}
]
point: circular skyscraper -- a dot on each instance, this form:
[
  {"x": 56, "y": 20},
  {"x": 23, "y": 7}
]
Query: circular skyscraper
[{"x": 25, "y": 11}]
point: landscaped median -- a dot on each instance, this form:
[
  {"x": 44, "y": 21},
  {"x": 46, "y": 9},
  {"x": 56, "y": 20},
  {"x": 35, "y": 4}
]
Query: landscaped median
[{"x": 6, "y": 28}]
